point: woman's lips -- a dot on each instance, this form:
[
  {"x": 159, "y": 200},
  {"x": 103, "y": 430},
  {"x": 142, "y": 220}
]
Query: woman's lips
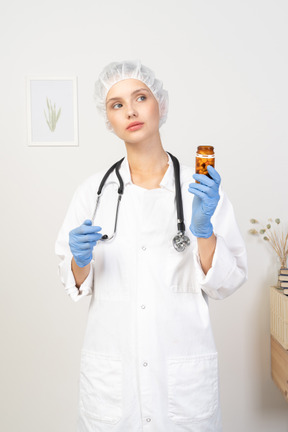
[{"x": 135, "y": 127}]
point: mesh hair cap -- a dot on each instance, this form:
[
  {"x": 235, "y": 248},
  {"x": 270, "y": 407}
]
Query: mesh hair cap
[{"x": 118, "y": 71}]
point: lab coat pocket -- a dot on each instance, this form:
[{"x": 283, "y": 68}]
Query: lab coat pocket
[
  {"x": 180, "y": 271},
  {"x": 192, "y": 387},
  {"x": 101, "y": 387}
]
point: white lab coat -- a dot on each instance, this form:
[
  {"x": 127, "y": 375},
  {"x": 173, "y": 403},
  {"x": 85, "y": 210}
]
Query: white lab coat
[{"x": 149, "y": 361}]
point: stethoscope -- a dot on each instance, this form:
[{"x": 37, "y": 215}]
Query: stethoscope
[{"x": 180, "y": 241}]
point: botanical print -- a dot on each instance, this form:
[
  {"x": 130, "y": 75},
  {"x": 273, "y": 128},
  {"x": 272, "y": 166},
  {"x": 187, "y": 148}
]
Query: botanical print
[
  {"x": 52, "y": 111},
  {"x": 52, "y": 117}
]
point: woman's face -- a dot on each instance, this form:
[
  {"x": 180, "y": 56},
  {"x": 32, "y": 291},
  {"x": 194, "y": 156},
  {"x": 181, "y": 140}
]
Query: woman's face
[{"x": 130, "y": 101}]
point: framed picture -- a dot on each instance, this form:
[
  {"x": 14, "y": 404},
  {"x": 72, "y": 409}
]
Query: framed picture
[{"x": 52, "y": 111}]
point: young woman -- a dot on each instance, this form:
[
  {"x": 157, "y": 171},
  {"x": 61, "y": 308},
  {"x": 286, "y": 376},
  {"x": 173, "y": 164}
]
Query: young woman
[{"x": 149, "y": 360}]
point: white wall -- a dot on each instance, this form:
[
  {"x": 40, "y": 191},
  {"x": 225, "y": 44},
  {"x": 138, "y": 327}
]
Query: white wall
[{"x": 225, "y": 66}]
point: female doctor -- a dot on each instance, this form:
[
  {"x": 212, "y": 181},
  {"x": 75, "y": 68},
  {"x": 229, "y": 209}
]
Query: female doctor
[{"x": 149, "y": 361}]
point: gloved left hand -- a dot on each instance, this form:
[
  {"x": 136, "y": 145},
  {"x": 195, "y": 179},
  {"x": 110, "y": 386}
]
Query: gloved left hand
[
  {"x": 82, "y": 241},
  {"x": 205, "y": 202}
]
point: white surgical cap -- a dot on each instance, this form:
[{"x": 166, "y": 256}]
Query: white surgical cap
[{"x": 118, "y": 71}]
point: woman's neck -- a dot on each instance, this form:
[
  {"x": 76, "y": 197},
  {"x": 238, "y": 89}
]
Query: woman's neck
[{"x": 148, "y": 163}]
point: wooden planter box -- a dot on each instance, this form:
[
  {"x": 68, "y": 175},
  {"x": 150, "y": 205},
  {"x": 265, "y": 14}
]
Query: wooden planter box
[
  {"x": 279, "y": 316},
  {"x": 279, "y": 339},
  {"x": 279, "y": 366}
]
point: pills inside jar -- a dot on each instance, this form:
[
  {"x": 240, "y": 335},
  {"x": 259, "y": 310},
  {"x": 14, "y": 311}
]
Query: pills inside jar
[{"x": 204, "y": 156}]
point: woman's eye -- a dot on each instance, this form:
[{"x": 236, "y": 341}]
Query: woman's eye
[{"x": 117, "y": 105}]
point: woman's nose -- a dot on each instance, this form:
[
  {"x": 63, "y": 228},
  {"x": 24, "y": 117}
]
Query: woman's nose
[{"x": 131, "y": 112}]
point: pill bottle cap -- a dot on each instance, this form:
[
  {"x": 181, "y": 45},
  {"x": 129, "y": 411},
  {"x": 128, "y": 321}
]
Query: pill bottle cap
[{"x": 207, "y": 150}]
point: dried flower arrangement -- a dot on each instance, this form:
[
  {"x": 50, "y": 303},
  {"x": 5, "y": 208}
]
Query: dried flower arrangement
[{"x": 278, "y": 240}]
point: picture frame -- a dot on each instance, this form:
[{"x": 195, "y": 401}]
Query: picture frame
[{"x": 52, "y": 115}]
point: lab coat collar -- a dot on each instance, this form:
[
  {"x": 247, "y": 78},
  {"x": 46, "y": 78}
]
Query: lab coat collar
[{"x": 166, "y": 183}]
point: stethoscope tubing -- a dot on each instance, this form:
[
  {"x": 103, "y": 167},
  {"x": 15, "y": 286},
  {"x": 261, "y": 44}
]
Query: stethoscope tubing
[{"x": 180, "y": 241}]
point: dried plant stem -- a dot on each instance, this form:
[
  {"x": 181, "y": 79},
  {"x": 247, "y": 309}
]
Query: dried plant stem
[
  {"x": 278, "y": 240},
  {"x": 279, "y": 244}
]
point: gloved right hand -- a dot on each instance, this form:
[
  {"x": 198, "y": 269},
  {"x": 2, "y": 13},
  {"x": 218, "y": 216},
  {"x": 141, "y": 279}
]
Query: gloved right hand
[
  {"x": 204, "y": 202},
  {"x": 82, "y": 241}
]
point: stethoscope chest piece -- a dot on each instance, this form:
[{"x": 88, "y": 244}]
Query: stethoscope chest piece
[{"x": 180, "y": 241}]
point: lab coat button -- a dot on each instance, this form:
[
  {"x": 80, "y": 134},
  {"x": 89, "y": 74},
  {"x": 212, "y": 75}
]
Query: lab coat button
[
  {"x": 143, "y": 248},
  {"x": 145, "y": 364},
  {"x": 143, "y": 306},
  {"x": 148, "y": 419}
]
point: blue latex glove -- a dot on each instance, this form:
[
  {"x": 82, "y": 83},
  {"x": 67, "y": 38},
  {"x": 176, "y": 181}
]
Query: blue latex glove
[
  {"x": 82, "y": 241},
  {"x": 205, "y": 202}
]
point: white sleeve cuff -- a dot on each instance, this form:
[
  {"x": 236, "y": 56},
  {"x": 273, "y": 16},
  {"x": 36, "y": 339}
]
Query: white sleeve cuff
[
  {"x": 68, "y": 280},
  {"x": 227, "y": 273}
]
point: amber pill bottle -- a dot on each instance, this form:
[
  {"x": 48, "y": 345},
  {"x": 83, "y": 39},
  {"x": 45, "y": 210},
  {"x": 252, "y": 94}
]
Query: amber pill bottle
[{"x": 204, "y": 156}]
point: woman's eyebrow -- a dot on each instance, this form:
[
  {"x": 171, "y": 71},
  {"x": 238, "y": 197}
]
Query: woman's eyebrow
[{"x": 135, "y": 91}]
